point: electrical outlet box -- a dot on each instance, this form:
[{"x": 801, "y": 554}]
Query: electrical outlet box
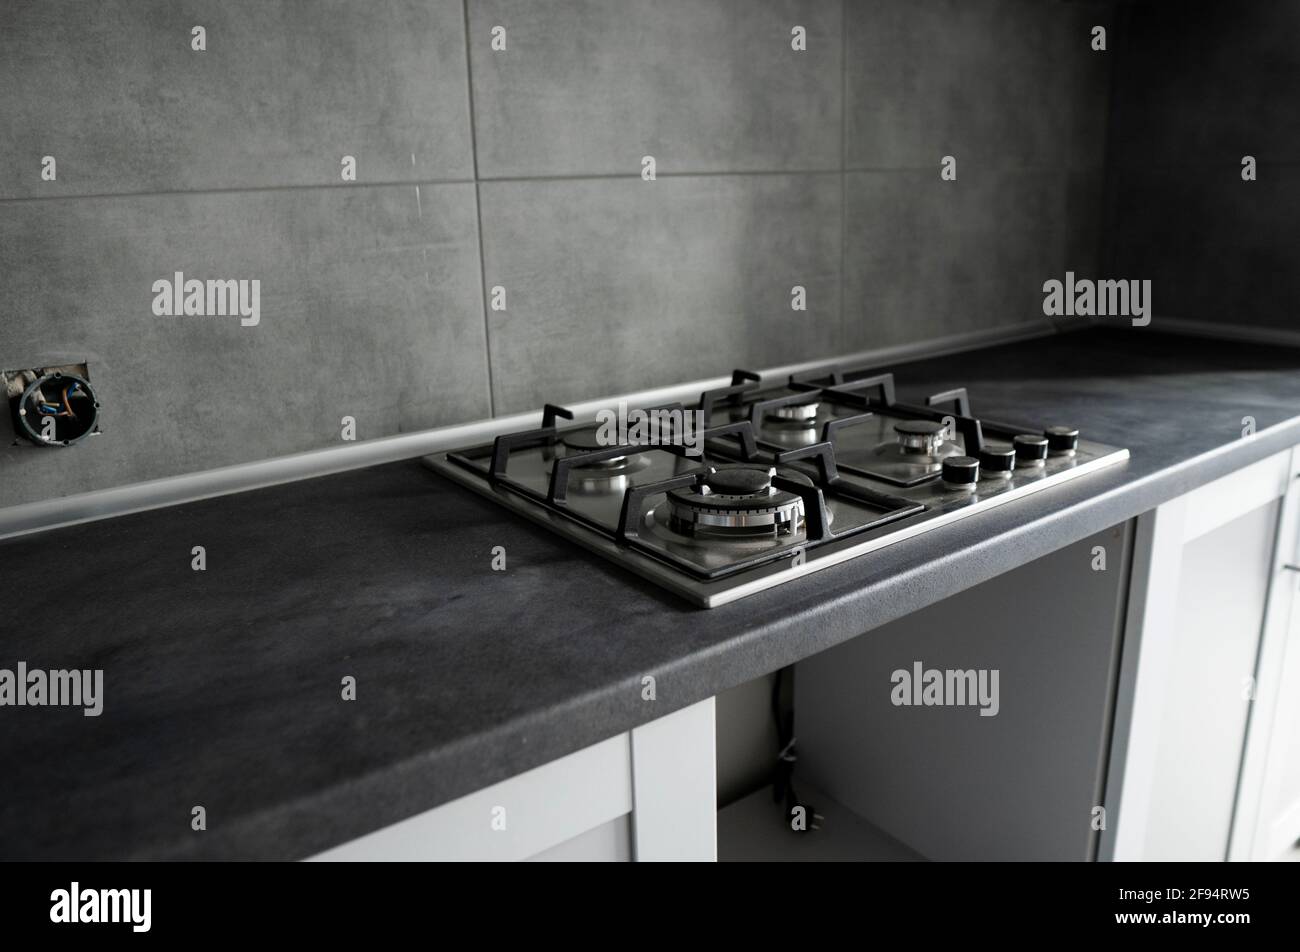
[{"x": 52, "y": 406}]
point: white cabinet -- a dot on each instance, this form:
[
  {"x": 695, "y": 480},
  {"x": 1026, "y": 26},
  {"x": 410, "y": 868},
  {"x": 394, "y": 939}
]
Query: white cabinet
[
  {"x": 1204, "y": 567},
  {"x": 648, "y": 794}
]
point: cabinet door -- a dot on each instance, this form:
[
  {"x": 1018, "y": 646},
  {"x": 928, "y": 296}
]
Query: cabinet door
[
  {"x": 1201, "y": 576},
  {"x": 1221, "y": 595},
  {"x": 1267, "y": 824},
  {"x": 1278, "y": 832}
]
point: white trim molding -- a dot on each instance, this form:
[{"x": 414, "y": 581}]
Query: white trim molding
[{"x": 674, "y": 787}]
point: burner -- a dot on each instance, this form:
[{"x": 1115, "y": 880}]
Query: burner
[
  {"x": 583, "y": 440},
  {"x": 736, "y": 500},
  {"x": 913, "y": 456},
  {"x": 922, "y": 437},
  {"x": 740, "y": 481},
  {"x": 587, "y": 440},
  {"x": 802, "y": 415},
  {"x": 606, "y": 475}
]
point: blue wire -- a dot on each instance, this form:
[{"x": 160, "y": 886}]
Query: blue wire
[{"x": 47, "y": 408}]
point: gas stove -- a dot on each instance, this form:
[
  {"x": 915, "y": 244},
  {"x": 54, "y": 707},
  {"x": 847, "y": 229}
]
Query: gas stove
[{"x": 755, "y": 485}]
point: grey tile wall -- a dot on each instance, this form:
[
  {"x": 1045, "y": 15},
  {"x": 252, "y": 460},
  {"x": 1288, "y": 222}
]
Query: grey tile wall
[
  {"x": 1214, "y": 82},
  {"x": 615, "y": 283},
  {"x": 980, "y": 81},
  {"x": 370, "y": 307},
  {"x": 1014, "y": 92},
  {"x": 226, "y": 163},
  {"x": 285, "y": 88},
  {"x": 589, "y": 88},
  {"x": 1196, "y": 93},
  {"x": 518, "y": 168},
  {"x": 1215, "y": 248},
  {"x": 927, "y": 258},
  {"x": 618, "y": 284}
]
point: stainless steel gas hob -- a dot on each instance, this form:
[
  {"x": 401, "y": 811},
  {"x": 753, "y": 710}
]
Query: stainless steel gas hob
[{"x": 756, "y": 486}]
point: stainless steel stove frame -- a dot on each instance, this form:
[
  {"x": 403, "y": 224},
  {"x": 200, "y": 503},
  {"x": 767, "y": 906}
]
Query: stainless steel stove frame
[{"x": 853, "y": 505}]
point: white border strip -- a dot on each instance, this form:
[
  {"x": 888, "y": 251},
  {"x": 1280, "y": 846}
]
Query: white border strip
[{"x": 173, "y": 490}]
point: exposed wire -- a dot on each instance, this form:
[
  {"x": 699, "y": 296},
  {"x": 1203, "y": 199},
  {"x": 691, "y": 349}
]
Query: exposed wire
[
  {"x": 783, "y": 774},
  {"x": 783, "y": 791}
]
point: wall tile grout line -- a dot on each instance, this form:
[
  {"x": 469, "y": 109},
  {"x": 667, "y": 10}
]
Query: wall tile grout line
[
  {"x": 478, "y": 216},
  {"x": 1105, "y": 247},
  {"x": 1054, "y": 168},
  {"x": 168, "y": 193},
  {"x": 844, "y": 176},
  {"x": 436, "y": 182},
  {"x": 595, "y": 176},
  {"x": 636, "y": 176}
]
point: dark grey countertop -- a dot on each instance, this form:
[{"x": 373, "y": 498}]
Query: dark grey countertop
[{"x": 223, "y": 687}]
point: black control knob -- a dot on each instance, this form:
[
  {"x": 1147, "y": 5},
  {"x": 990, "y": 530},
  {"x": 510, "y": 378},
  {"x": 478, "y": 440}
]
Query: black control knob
[
  {"x": 961, "y": 472},
  {"x": 997, "y": 460},
  {"x": 1061, "y": 439},
  {"x": 1030, "y": 449}
]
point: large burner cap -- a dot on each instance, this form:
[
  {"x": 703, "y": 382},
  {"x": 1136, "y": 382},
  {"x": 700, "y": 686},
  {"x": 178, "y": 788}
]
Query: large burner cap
[
  {"x": 740, "y": 480},
  {"x": 918, "y": 427},
  {"x": 585, "y": 440}
]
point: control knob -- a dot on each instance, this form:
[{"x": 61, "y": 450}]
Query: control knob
[
  {"x": 997, "y": 460},
  {"x": 960, "y": 472},
  {"x": 1031, "y": 450},
  {"x": 1061, "y": 440}
]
